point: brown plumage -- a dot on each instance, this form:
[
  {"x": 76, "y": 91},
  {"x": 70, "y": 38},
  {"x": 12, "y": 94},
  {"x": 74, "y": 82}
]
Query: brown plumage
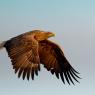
[{"x": 27, "y": 51}]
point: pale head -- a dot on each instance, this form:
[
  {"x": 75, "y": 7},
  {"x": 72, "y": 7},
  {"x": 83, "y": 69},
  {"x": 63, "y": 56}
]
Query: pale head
[{"x": 42, "y": 35}]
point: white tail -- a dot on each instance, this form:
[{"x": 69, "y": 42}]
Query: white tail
[{"x": 2, "y": 44}]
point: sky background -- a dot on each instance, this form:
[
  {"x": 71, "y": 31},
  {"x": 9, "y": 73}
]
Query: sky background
[{"x": 73, "y": 22}]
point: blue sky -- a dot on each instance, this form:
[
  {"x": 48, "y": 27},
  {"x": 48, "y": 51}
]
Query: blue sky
[{"x": 73, "y": 22}]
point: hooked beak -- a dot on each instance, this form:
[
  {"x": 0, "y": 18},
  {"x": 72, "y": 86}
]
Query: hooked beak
[{"x": 50, "y": 34}]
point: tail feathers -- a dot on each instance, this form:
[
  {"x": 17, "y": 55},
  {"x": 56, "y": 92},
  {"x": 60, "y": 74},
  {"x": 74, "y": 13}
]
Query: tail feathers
[{"x": 2, "y": 44}]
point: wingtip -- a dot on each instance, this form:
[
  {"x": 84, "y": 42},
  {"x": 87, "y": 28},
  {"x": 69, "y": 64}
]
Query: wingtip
[{"x": 62, "y": 77}]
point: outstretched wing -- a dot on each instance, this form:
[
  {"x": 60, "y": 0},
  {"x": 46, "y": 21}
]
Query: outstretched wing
[
  {"x": 24, "y": 56},
  {"x": 52, "y": 57}
]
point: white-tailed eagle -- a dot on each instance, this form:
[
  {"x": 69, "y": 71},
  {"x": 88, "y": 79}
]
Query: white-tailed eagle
[{"x": 27, "y": 51}]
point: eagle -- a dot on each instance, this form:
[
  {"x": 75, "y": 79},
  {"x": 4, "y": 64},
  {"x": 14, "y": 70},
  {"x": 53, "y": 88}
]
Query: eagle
[{"x": 29, "y": 50}]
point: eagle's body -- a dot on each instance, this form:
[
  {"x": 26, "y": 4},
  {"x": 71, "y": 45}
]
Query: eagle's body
[{"x": 27, "y": 51}]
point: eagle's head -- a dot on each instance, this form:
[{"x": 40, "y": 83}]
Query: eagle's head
[{"x": 42, "y": 35}]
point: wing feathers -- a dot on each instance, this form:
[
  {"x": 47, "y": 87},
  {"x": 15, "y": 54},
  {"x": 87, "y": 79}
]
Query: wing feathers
[
  {"x": 52, "y": 57},
  {"x": 62, "y": 77},
  {"x": 57, "y": 75},
  {"x": 24, "y": 56},
  {"x": 20, "y": 72}
]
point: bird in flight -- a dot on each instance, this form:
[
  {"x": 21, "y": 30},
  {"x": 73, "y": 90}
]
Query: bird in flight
[{"x": 27, "y": 51}]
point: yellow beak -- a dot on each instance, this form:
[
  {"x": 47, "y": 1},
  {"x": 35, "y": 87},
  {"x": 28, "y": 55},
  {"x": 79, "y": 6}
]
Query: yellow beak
[{"x": 50, "y": 34}]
